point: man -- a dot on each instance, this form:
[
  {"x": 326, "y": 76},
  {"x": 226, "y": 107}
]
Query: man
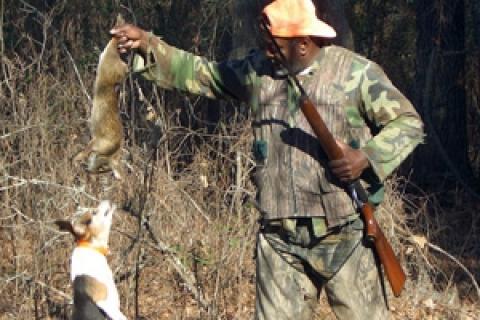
[{"x": 311, "y": 233}]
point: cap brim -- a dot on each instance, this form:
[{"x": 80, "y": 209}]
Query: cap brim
[{"x": 317, "y": 29}]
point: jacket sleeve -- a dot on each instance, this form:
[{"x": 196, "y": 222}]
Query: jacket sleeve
[
  {"x": 399, "y": 126},
  {"x": 172, "y": 68}
]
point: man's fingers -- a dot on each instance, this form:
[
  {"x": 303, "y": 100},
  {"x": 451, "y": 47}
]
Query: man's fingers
[
  {"x": 345, "y": 176},
  {"x": 337, "y": 163},
  {"x": 114, "y": 31},
  {"x": 128, "y": 44},
  {"x": 342, "y": 172},
  {"x": 341, "y": 169},
  {"x": 134, "y": 44},
  {"x": 119, "y": 29}
]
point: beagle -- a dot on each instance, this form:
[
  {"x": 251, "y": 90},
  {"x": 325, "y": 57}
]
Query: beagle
[{"x": 95, "y": 295}]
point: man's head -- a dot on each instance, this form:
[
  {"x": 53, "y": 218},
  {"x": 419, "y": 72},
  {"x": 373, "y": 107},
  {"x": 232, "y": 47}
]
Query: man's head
[
  {"x": 297, "y": 31},
  {"x": 297, "y": 53}
]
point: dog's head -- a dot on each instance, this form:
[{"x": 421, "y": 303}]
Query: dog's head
[{"x": 91, "y": 226}]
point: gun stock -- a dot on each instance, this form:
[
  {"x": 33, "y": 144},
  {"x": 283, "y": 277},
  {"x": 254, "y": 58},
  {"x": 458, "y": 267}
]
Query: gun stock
[{"x": 393, "y": 270}]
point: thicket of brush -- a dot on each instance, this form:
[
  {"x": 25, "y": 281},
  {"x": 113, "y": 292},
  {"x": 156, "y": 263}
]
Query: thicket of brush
[{"x": 183, "y": 245}]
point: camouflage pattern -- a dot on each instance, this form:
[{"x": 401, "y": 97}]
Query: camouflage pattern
[
  {"x": 294, "y": 267},
  {"x": 351, "y": 93},
  {"x": 311, "y": 236}
]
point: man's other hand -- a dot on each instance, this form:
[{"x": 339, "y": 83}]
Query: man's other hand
[{"x": 351, "y": 166}]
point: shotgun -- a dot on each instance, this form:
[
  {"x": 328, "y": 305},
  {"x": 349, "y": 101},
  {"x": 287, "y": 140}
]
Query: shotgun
[{"x": 373, "y": 233}]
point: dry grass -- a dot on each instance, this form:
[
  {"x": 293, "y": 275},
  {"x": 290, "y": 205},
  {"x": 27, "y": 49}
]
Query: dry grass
[{"x": 183, "y": 246}]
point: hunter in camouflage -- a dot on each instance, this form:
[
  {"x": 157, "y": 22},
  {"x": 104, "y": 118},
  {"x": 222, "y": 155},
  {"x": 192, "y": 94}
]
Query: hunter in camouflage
[
  {"x": 353, "y": 96},
  {"x": 311, "y": 234}
]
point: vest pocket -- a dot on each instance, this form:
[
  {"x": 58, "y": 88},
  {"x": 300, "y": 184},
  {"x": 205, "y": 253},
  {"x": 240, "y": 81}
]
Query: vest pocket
[{"x": 260, "y": 151}]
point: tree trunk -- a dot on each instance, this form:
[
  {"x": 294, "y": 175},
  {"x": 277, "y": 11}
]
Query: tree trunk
[
  {"x": 245, "y": 14},
  {"x": 333, "y": 12},
  {"x": 440, "y": 92},
  {"x": 476, "y": 23}
]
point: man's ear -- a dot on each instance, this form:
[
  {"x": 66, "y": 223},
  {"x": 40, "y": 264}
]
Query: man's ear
[{"x": 304, "y": 44}]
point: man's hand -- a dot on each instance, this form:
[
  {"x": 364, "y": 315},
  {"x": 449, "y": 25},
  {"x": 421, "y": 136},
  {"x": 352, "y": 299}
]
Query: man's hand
[
  {"x": 131, "y": 37},
  {"x": 351, "y": 166}
]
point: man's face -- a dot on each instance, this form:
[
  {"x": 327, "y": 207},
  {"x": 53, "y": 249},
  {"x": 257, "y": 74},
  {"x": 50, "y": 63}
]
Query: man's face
[{"x": 298, "y": 52}]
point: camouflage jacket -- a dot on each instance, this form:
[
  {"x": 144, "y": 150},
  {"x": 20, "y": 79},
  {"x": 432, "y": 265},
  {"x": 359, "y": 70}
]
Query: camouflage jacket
[{"x": 355, "y": 98}]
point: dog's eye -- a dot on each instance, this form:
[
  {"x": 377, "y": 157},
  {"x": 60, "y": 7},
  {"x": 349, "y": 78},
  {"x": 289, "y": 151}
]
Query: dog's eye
[{"x": 88, "y": 222}]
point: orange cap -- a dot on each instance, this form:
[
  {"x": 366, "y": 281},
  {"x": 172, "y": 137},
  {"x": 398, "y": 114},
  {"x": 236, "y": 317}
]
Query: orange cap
[{"x": 296, "y": 18}]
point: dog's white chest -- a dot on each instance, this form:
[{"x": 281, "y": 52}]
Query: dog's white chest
[{"x": 86, "y": 261}]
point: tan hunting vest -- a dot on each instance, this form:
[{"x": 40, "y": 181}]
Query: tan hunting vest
[{"x": 291, "y": 177}]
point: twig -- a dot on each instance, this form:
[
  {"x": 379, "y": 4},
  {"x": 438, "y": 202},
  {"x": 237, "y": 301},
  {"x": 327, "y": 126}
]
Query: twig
[
  {"x": 2, "y": 43},
  {"x": 23, "y": 181},
  {"x": 238, "y": 181},
  {"x": 183, "y": 271},
  {"x": 29, "y": 278},
  {"x": 438, "y": 249},
  {"x": 77, "y": 73},
  {"x": 194, "y": 204},
  {"x": 138, "y": 268},
  {"x": 423, "y": 242},
  {"x": 64, "y": 47},
  {"x": 186, "y": 275},
  {"x": 13, "y": 186},
  {"x": 20, "y": 130}
]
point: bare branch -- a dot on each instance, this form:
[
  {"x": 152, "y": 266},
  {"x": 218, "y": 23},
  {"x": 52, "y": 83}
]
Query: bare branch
[{"x": 23, "y": 181}]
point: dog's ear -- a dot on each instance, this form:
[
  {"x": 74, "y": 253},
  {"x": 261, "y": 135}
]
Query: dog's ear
[
  {"x": 79, "y": 230},
  {"x": 64, "y": 225},
  {"x": 80, "y": 226}
]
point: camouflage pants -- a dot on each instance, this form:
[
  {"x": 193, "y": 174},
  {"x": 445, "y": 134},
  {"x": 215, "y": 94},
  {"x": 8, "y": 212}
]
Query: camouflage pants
[{"x": 292, "y": 271}]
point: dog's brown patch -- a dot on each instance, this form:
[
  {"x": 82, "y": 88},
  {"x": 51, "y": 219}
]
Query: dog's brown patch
[{"x": 88, "y": 286}]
